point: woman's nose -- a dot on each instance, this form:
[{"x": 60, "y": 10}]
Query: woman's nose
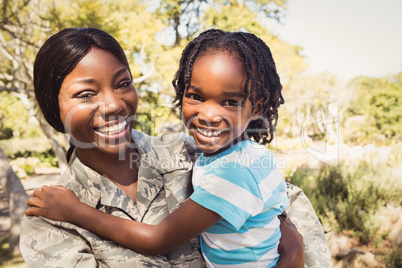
[{"x": 111, "y": 105}]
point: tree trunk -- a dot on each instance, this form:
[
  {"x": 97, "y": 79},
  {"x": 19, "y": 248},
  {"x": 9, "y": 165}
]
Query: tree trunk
[
  {"x": 17, "y": 199},
  {"x": 57, "y": 148},
  {"x": 27, "y": 98}
]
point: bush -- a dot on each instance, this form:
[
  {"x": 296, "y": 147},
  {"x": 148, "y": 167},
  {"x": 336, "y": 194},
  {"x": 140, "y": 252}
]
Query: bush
[
  {"x": 348, "y": 197},
  {"x": 6, "y": 133},
  {"x": 25, "y": 163}
]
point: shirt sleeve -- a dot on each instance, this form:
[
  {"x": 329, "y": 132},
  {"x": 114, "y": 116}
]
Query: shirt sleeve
[
  {"x": 231, "y": 192},
  {"x": 45, "y": 245}
]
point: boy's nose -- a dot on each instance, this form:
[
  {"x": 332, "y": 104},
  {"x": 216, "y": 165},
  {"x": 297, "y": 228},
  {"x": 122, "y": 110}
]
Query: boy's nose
[{"x": 209, "y": 113}]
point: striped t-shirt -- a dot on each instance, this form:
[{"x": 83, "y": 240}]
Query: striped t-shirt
[{"x": 243, "y": 186}]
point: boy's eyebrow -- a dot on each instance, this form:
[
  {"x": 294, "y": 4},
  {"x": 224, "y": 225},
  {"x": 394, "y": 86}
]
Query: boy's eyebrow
[
  {"x": 229, "y": 94},
  {"x": 233, "y": 94}
]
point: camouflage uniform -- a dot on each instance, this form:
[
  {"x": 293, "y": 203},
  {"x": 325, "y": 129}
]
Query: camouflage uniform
[
  {"x": 302, "y": 214},
  {"x": 164, "y": 182}
]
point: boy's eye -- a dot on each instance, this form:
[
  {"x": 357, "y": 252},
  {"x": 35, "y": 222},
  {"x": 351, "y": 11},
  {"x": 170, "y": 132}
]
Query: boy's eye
[
  {"x": 194, "y": 97},
  {"x": 232, "y": 103}
]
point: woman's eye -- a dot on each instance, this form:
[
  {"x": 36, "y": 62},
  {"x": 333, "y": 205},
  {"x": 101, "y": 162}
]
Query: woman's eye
[
  {"x": 124, "y": 84},
  {"x": 85, "y": 96}
]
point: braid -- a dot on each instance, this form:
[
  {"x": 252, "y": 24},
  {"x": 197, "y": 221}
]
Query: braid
[{"x": 262, "y": 78}]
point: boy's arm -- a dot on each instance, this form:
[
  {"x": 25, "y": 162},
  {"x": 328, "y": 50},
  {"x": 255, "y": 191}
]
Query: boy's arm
[{"x": 186, "y": 222}]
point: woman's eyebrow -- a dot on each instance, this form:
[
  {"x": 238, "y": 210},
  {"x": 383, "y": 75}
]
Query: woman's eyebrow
[
  {"x": 85, "y": 81},
  {"x": 119, "y": 72},
  {"x": 93, "y": 81}
]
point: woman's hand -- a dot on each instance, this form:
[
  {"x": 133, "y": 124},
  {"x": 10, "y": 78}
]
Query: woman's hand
[
  {"x": 54, "y": 202},
  {"x": 291, "y": 245}
]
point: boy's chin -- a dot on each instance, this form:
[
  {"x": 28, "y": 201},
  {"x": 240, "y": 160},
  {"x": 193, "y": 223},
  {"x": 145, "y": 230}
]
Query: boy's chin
[{"x": 209, "y": 151}]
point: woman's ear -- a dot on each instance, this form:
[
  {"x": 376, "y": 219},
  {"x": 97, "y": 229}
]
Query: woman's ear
[{"x": 258, "y": 109}]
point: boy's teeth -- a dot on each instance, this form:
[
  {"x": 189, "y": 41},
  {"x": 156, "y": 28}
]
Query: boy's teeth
[
  {"x": 113, "y": 129},
  {"x": 209, "y": 133}
]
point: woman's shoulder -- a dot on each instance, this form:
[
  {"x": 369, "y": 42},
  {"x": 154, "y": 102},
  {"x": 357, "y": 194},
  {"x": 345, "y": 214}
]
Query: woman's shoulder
[
  {"x": 178, "y": 143},
  {"x": 302, "y": 214}
]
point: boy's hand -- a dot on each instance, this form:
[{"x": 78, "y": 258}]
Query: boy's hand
[
  {"x": 54, "y": 202},
  {"x": 291, "y": 246}
]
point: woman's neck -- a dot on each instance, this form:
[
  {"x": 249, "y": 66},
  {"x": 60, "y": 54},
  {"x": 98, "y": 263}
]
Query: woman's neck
[{"x": 119, "y": 168}]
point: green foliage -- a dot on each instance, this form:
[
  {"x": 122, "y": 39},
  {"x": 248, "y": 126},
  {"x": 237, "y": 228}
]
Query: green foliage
[
  {"x": 25, "y": 163},
  {"x": 378, "y": 103},
  {"x": 348, "y": 197},
  {"x": 386, "y": 108},
  {"x": 14, "y": 117},
  {"x": 6, "y": 259},
  {"x": 394, "y": 260}
]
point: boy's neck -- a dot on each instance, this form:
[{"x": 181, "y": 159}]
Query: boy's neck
[{"x": 243, "y": 137}]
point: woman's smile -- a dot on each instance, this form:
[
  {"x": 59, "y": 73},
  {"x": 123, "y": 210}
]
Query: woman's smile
[
  {"x": 113, "y": 129},
  {"x": 98, "y": 103}
]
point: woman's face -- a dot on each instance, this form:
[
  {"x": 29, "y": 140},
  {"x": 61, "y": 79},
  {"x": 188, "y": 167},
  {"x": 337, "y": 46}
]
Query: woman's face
[{"x": 98, "y": 102}]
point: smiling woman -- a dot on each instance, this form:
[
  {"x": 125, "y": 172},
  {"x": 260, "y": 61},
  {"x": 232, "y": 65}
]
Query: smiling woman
[
  {"x": 84, "y": 87},
  {"x": 96, "y": 100},
  {"x": 119, "y": 178}
]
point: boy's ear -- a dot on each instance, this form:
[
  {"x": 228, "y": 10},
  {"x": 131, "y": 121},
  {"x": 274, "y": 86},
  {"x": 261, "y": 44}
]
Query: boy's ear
[{"x": 259, "y": 108}]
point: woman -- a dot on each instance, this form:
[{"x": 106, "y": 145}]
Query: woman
[{"x": 84, "y": 86}]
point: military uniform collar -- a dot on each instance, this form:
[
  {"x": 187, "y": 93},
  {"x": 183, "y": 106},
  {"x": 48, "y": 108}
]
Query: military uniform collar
[{"x": 156, "y": 156}]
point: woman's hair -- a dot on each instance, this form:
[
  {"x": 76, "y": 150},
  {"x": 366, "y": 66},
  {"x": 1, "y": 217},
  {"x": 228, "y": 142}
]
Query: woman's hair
[
  {"x": 260, "y": 69},
  {"x": 58, "y": 56}
]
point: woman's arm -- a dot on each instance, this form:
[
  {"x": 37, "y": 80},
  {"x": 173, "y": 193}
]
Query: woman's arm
[
  {"x": 187, "y": 221},
  {"x": 302, "y": 214},
  {"x": 42, "y": 242}
]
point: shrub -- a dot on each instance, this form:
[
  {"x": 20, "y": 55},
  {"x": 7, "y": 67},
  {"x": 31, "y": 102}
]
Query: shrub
[{"x": 348, "y": 197}]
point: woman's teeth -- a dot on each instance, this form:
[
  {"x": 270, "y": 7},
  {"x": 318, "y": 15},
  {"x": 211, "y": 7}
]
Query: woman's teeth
[
  {"x": 209, "y": 133},
  {"x": 113, "y": 129}
]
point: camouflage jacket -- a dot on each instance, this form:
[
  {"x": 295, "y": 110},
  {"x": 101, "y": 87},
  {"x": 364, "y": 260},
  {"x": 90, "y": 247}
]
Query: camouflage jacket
[
  {"x": 302, "y": 214},
  {"x": 164, "y": 182}
]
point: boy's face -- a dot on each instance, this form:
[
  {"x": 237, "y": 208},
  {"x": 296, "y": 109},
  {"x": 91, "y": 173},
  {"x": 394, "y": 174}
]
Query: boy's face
[{"x": 215, "y": 108}]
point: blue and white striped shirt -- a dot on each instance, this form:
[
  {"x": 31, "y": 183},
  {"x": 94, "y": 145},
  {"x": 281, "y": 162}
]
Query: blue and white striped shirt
[{"x": 243, "y": 186}]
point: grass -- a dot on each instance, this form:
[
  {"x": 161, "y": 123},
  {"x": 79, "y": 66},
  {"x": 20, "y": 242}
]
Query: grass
[{"x": 7, "y": 260}]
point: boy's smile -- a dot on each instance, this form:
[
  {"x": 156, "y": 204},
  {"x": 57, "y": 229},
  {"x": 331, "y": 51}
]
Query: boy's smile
[{"x": 216, "y": 109}]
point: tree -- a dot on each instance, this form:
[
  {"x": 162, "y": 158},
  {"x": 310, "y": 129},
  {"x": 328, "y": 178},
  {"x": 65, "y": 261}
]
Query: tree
[
  {"x": 378, "y": 101},
  {"x": 318, "y": 99},
  {"x": 22, "y": 29},
  {"x": 17, "y": 198}
]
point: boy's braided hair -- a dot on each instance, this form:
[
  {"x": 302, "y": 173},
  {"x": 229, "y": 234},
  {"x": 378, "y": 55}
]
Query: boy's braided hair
[{"x": 262, "y": 77}]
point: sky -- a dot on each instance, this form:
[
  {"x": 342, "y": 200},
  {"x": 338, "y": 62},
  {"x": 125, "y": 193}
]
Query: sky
[{"x": 346, "y": 37}]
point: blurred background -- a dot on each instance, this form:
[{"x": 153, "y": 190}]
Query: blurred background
[{"x": 338, "y": 135}]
